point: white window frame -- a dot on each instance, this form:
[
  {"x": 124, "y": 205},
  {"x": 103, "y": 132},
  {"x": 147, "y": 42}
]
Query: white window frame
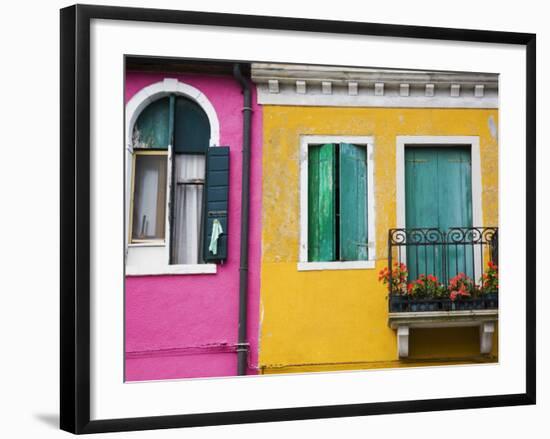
[
  {"x": 152, "y": 258},
  {"x": 303, "y": 263},
  {"x": 403, "y": 142}
]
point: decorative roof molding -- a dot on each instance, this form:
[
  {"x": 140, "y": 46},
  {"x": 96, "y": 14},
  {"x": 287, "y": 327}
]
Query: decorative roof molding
[
  {"x": 366, "y": 87},
  {"x": 160, "y": 89}
]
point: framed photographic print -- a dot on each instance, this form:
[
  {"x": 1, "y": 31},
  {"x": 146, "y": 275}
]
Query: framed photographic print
[{"x": 269, "y": 218}]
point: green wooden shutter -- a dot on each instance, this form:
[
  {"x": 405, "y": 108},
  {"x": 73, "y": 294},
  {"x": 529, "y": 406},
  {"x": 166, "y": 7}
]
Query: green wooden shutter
[
  {"x": 153, "y": 125},
  {"x": 454, "y": 187},
  {"x": 455, "y": 201},
  {"x": 353, "y": 203},
  {"x": 422, "y": 186},
  {"x": 216, "y": 200},
  {"x": 422, "y": 207},
  {"x": 321, "y": 203},
  {"x": 438, "y": 195}
]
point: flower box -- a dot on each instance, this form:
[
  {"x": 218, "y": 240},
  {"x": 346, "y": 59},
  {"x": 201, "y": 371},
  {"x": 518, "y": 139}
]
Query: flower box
[
  {"x": 428, "y": 294},
  {"x": 402, "y": 303}
]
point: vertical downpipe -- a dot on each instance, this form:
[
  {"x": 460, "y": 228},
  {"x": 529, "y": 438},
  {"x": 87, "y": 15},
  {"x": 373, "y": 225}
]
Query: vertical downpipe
[{"x": 243, "y": 346}]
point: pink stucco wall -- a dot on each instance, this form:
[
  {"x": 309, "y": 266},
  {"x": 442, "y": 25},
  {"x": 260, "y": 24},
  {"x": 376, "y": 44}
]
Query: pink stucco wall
[{"x": 186, "y": 325}]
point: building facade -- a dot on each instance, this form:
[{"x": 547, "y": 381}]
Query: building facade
[
  {"x": 184, "y": 172},
  {"x": 351, "y": 154}
]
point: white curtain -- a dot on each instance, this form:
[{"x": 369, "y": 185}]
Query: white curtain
[
  {"x": 188, "y": 200},
  {"x": 149, "y": 199}
]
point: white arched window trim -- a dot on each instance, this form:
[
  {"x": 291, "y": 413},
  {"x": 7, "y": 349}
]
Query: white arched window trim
[
  {"x": 164, "y": 88},
  {"x": 151, "y": 259}
]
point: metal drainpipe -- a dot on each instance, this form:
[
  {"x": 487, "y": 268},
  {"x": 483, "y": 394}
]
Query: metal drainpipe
[{"x": 243, "y": 346}]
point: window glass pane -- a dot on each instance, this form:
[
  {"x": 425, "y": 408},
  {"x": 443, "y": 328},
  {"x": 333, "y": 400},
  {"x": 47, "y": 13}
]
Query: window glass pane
[
  {"x": 191, "y": 127},
  {"x": 149, "y": 197},
  {"x": 188, "y": 206},
  {"x": 152, "y": 128}
]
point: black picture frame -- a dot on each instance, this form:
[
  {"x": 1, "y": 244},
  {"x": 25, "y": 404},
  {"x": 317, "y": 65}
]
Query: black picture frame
[{"x": 75, "y": 217}]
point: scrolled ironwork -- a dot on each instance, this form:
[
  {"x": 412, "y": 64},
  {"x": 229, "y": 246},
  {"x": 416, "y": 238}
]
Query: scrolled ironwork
[
  {"x": 415, "y": 236},
  {"x": 434, "y": 236},
  {"x": 445, "y": 254},
  {"x": 456, "y": 235},
  {"x": 490, "y": 234},
  {"x": 397, "y": 236}
]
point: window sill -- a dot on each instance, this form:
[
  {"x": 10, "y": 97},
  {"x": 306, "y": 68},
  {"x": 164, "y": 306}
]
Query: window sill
[
  {"x": 172, "y": 269},
  {"x": 336, "y": 265},
  {"x": 147, "y": 244}
]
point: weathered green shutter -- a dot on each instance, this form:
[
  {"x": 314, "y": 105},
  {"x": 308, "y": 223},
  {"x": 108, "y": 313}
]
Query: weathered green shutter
[
  {"x": 422, "y": 187},
  {"x": 216, "y": 200},
  {"x": 353, "y": 203},
  {"x": 454, "y": 187},
  {"x": 438, "y": 195},
  {"x": 321, "y": 203},
  {"x": 153, "y": 126},
  {"x": 455, "y": 204},
  {"x": 422, "y": 207}
]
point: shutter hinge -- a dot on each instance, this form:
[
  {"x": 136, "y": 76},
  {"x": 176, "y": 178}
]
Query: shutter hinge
[{"x": 212, "y": 213}]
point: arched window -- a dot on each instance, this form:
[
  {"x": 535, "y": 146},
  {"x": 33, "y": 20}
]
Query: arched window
[{"x": 172, "y": 127}]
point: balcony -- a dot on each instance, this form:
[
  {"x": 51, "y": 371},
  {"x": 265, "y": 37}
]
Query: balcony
[{"x": 442, "y": 279}]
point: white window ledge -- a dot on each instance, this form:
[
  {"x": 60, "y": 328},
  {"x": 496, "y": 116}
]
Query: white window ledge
[
  {"x": 336, "y": 265},
  {"x": 147, "y": 244},
  {"x": 172, "y": 269}
]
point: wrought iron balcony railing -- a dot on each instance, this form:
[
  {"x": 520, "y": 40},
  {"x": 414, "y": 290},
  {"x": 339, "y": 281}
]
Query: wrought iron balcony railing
[{"x": 431, "y": 253}]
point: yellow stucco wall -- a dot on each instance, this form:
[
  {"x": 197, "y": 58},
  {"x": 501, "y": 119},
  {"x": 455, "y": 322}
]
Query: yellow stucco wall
[{"x": 331, "y": 320}]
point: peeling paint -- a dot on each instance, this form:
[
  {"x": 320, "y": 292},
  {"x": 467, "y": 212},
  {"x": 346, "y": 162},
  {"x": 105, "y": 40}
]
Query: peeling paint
[{"x": 492, "y": 127}]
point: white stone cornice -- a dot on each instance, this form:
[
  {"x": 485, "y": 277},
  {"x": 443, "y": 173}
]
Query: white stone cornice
[
  {"x": 292, "y": 72},
  {"x": 293, "y": 84}
]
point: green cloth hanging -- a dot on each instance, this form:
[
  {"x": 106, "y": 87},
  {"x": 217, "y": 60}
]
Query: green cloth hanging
[{"x": 217, "y": 230}]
